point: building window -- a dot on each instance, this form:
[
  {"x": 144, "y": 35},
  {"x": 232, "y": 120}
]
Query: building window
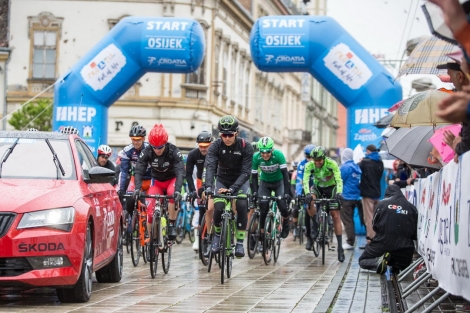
[
  {"x": 44, "y": 54},
  {"x": 44, "y": 33},
  {"x": 224, "y": 74},
  {"x": 198, "y": 76}
]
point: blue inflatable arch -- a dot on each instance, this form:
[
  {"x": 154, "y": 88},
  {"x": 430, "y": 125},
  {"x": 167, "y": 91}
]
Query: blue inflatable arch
[
  {"x": 136, "y": 45},
  {"x": 320, "y": 46}
]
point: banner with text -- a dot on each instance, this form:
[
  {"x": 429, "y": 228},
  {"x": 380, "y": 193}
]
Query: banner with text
[{"x": 443, "y": 203}]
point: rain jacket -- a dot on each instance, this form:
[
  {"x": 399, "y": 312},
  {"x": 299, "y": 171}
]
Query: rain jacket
[
  {"x": 351, "y": 175},
  {"x": 395, "y": 220},
  {"x": 372, "y": 169}
]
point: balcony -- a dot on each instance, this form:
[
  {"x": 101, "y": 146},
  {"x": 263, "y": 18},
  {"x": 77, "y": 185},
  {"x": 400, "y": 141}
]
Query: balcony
[{"x": 299, "y": 135}]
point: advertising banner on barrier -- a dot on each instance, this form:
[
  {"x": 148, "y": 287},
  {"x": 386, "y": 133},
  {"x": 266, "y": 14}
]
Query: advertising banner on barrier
[{"x": 443, "y": 204}]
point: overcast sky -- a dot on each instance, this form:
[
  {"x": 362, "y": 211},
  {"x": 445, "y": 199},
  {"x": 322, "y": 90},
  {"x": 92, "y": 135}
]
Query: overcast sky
[{"x": 383, "y": 27}]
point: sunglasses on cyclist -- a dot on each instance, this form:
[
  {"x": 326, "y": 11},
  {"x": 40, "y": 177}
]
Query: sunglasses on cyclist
[
  {"x": 104, "y": 156},
  {"x": 158, "y": 148},
  {"x": 266, "y": 151},
  {"x": 317, "y": 160},
  {"x": 228, "y": 135}
]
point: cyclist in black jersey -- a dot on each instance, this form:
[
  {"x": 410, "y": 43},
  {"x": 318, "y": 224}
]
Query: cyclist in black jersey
[
  {"x": 196, "y": 159},
  {"x": 229, "y": 158}
]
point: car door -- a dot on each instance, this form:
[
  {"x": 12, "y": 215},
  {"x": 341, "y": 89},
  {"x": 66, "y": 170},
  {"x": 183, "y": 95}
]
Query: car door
[{"x": 95, "y": 195}]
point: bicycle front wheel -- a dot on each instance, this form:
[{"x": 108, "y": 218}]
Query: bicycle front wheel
[
  {"x": 167, "y": 252},
  {"x": 135, "y": 240},
  {"x": 180, "y": 227},
  {"x": 154, "y": 246},
  {"x": 223, "y": 251},
  {"x": 253, "y": 235},
  {"x": 204, "y": 244},
  {"x": 268, "y": 245},
  {"x": 277, "y": 247},
  {"x": 231, "y": 254},
  {"x": 301, "y": 225},
  {"x": 323, "y": 238}
]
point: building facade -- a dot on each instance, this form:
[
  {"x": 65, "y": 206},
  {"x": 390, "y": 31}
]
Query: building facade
[{"x": 48, "y": 37}]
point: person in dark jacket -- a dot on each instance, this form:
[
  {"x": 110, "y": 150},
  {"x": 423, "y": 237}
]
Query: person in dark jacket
[
  {"x": 230, "y": 159},
  {"x": 167, "y": 170},
  {"x": 372, "y": 169},
  {"x": 395, "y": 224},
  {"x": 351, "y": 176}
]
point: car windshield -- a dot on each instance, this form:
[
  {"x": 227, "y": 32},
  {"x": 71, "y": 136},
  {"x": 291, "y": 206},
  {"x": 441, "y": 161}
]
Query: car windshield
[{"x": 33, "y": 159}]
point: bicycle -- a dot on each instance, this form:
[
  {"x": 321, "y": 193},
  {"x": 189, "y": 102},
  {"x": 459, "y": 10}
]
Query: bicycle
[
  {"x": 300, "y": 220},
  {"x": 139, "y": 238},
  {"x": 184, "y": 221},
  {"x": 159, "y": 243},
  {"x": 272, "y": 230},
  {"x": 324, "y": 232},
  {"x": 227, "y": 236},
  {"x": 254, "y": 233}
]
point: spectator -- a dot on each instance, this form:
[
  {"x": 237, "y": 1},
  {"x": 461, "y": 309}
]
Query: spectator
[
  {"x": 372, "y": 169},
  {"x": 351, "y": 176},
  {"x": 395, "y": 223}
]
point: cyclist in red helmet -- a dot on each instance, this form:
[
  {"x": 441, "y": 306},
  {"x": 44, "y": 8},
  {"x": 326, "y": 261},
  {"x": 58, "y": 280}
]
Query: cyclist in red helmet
[{"x": 167, "y": 170}]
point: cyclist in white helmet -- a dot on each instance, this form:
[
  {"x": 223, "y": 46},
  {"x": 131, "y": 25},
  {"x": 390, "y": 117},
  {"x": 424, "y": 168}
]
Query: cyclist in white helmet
[{"x": 104, "y": 153}]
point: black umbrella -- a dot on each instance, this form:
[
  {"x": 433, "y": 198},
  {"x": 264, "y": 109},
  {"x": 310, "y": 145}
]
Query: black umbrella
[
  {"x": 412, "y": 146},
  {"x": 384, "y": 121}
]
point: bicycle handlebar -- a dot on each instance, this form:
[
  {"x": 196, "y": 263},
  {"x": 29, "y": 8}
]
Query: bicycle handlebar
[
  {"x": 157, "y": 196},
  {"x": 271, "y": 198},
  {"x": 323, "y": 200},
  {"x": 227, "y": 196}
]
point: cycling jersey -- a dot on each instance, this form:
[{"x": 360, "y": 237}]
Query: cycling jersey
[
  {"x": 164, "y": 167},
  {"x": 195, "y": 159},
  {"x": 231, "y": 164},
  {"x": 129, "y": 156},
  {"x": 270, "y": 169},
  {"x": 299, "y": 181},
  {"x": 325, "y": 176}
]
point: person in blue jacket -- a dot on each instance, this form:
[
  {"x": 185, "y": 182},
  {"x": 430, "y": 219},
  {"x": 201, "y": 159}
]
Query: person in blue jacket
[
  {"x": 300, "y": 192},
  {"x": 351, "y": 176}
]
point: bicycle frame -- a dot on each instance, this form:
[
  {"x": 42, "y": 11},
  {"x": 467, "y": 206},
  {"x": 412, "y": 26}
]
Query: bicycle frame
[
  {"x": 272, "y": 238},
  {"x": 140, "y": 213},
  {"x": 323, "y": 210}
]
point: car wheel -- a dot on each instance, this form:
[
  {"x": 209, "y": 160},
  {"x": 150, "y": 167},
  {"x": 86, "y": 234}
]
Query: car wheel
[
  {"x": 112, "y": 273},
  {"x": 81, "y": 291}
]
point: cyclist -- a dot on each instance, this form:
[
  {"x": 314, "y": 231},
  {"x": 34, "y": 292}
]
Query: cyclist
[
  {"x": 196, "y": 158},
  {"x": 295, "y": 206},
  {"x": 129, "y": 156},
  {"x": 167, "y": 167},
  {"x": 299, "y": 192},
  {"x": 104, "y": 152},
  {"x": 229, "y": 158},
  {"x": 273, "y": 177},
  {"x": 327, "y": 184}
]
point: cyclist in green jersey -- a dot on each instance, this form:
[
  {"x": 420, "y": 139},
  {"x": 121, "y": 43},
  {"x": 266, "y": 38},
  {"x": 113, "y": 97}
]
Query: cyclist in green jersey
[
  {"x": 273, "y": 177},
  {"x": 327, "y": 183}
]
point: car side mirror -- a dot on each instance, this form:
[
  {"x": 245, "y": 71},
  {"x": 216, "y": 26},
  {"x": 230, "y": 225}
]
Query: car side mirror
[{"x": 100, "y": 175}]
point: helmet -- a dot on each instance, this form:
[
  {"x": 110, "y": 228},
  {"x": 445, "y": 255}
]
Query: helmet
[
  {"x": 31, "y": 130},
  {"x": 265, "y": 144},
  {"x": 158, "y": 135},
  {"x": 295, "y": 164},
  {"x": 318, "y": 153},
  {"x": 308, "y": 149},
  {"x": 104, "y": 149},
  {"x": 204, "y": 137},
  {"x": 137, "y": 131},
  {"x": 228, "y": 124},
  {"x": 69, "y": 130}
]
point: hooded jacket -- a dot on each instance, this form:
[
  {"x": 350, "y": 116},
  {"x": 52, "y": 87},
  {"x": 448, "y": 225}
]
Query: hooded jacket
[
  {"x": 396, "y": 219},
  {"x": 372, "y": 169},
  {"x": 351, "y": 175}
]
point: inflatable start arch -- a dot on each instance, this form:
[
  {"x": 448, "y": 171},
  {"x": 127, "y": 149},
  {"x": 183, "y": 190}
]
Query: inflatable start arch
[
  {"x": 320, "y": 46},
  {"x": 136, "y": 45}
]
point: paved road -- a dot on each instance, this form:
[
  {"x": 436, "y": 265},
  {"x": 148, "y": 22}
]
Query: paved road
[{"x": 297, "y": 283}]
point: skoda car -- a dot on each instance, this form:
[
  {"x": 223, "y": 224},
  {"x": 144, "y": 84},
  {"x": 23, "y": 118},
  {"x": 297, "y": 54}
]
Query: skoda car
[{"x": 60, "y": 218}]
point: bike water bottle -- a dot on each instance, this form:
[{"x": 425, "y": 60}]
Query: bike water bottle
[
  {"x": 163, "y": 225},
  {"x": 195, "y": 221}
]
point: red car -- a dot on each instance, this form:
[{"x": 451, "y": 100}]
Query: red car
[{"x": 60, "y": 218}]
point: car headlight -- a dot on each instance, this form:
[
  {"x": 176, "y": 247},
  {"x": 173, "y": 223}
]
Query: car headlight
[{"x": 62, "y": 219}]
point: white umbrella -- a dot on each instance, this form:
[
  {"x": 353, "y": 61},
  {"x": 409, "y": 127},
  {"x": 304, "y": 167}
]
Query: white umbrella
[
  {"x": 358, "y": 154},
  {"x": 436, "y": 21}
]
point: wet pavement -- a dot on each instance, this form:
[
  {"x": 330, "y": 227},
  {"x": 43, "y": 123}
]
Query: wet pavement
[{"x": 298, "y": 282}]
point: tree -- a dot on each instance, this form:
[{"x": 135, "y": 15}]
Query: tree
[{"x": 36, "y": 114}]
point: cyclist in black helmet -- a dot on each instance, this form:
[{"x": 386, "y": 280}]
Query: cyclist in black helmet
[
  {"x": 196, "y": 159},
  {"x": 129, "y": 156},
  {"x": 229, "y": 158}
]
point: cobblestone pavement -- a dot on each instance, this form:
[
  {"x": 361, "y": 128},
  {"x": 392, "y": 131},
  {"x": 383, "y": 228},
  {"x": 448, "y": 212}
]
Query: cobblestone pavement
[{"x": 297, "y": 283}]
